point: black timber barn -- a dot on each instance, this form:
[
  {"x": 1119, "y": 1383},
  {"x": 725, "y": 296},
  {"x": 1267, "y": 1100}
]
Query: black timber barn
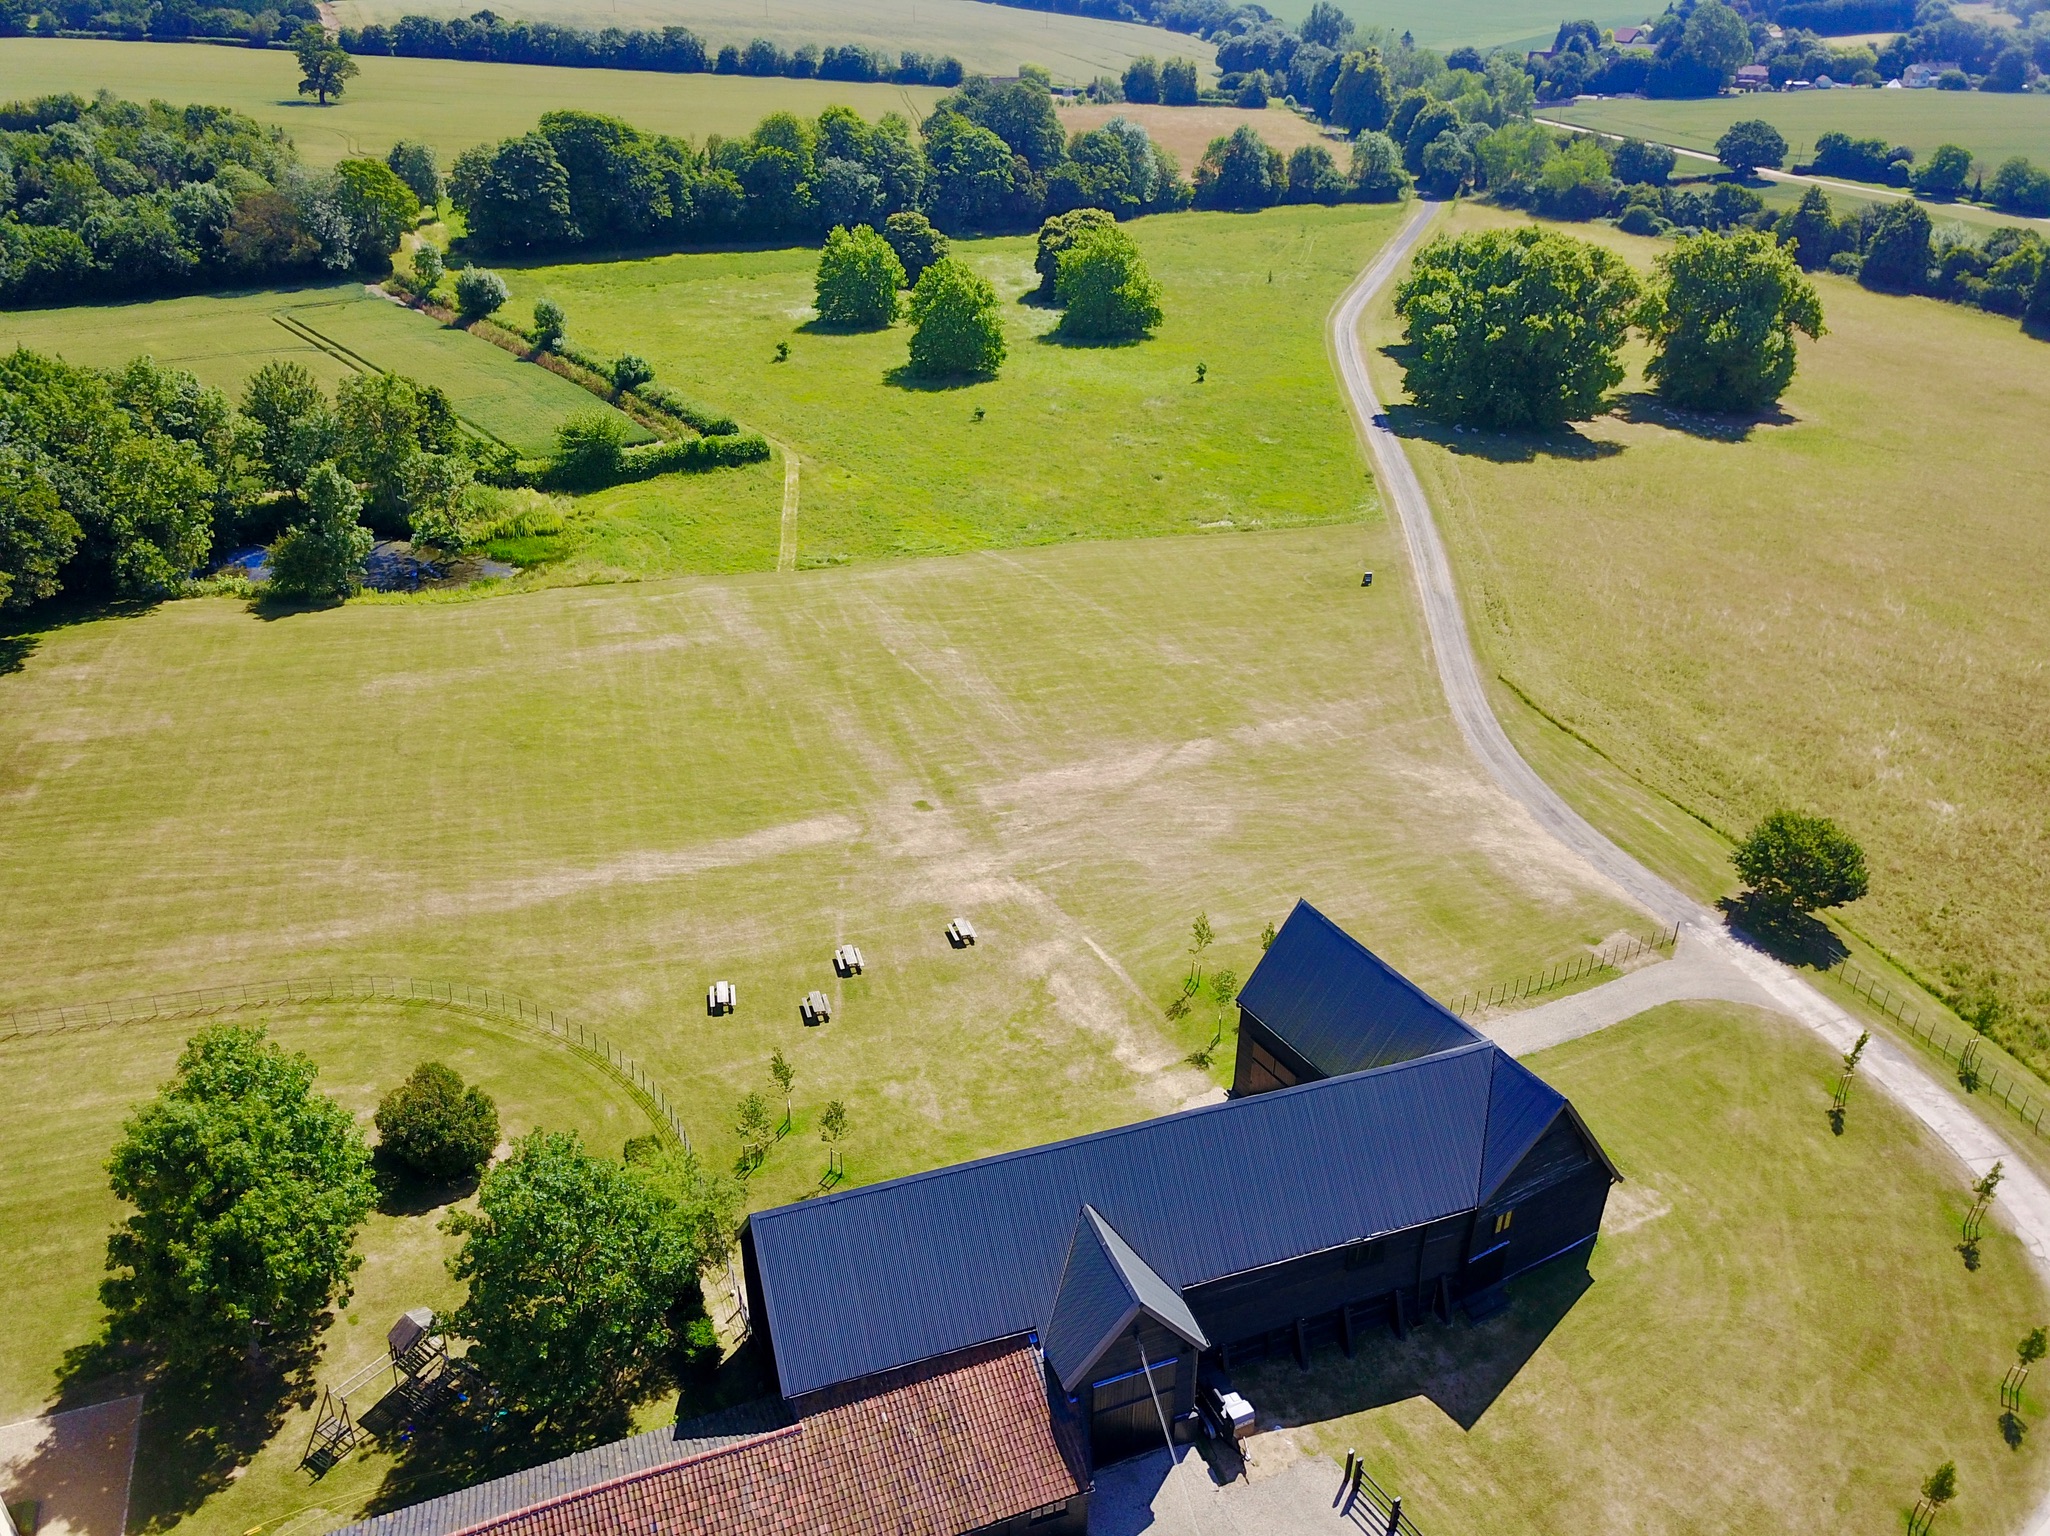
[{"x": 1378, "y": 1161}]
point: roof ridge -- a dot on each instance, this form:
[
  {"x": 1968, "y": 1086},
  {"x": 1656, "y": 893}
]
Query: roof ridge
[
  {"x": 800, "y": 1207},
  {"x": 590, "y": 1489},
  {"x": 1305, "y": 904}
]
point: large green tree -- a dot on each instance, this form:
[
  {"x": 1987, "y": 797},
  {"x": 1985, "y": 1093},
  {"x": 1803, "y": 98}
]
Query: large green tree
[
  {"x": 379, "y": 206},
  {"x": 436, "y": 1125},
  {"x": 917, "y": 244},
  {"x": 957, "y": 330},
  {"x": 248, "y": 1187},
  {"x": 1241, "y": 171},
  {"x": 1750, "y": 144},
  {"x": 325, "y": 70},
  {"x": 1721, "y": 316},
  {"x": 1104, "y": 288},
  {"x": 1516, "y": 328},
  {"x": 1056, "y": 235},
  {"x": 859, "y": 275},
  {"x": 37, "y": 533},
  {"x": 1793, "y": 862},
  {"x": 322, "y": 554},
  {"x": 296, "y": 426},
  {"x": 1363, "y": 95},
  {"x": 1897, "y": 254},
  {"x": 574, "y": 1264}
]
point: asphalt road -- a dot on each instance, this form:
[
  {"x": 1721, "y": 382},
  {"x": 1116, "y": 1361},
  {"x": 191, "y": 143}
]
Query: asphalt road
[{"x": 1724, "y": 966}]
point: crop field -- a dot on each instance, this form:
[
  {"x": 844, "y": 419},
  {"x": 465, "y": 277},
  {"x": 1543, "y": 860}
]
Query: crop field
[
  {"x": 1992, "y": 126},
  {"x": 1484, "y": 23},
  {"x": 1838, "y": 611},
  {"x": 1067, "y": 442},
  {"x": 1187, "y": 131},
  {"x": 448, "y": 104},
  {"x": 332, "y": 330},
  {"x": 1778, "y": 1333},
  {"x": 994, "y": 39}
]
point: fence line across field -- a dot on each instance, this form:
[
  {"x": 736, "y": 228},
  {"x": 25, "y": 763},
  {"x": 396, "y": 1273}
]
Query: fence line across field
[
  {"x": 1612, "y": 956},
  {"x": 1961, "y": 1051},
  {"x": 197, "y": 1002}
]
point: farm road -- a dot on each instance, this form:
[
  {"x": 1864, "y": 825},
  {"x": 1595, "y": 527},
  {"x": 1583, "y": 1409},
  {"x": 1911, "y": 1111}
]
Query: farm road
[{"x": 1716, "y": 964}]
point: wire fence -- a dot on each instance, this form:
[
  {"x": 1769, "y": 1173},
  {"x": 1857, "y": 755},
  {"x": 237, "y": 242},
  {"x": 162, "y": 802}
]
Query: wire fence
[
  {"x": 204, "y": 1002},
  {"x": 1612, "y": 956},
  {"x": 1960, "y": 1050}
]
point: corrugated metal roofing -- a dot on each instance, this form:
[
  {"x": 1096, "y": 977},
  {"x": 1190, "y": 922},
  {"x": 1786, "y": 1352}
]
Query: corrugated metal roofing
[
  {"x": 504, "y": 1496},
  {"x": 1521, "y": 1108},
  {"x": 1340, "y": 1006},
  {"x": 1104, "y": 1286},
  {"x": 866, "y": 1279}
]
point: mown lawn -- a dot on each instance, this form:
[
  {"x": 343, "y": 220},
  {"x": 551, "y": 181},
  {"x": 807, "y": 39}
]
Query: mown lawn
[
  {"x": 1839, "y": 610},
  {"x": 1066, "y": 442},
  {"x": 1775, "y": 1331}
]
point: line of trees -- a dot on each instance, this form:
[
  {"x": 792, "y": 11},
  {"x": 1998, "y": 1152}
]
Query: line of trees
[{"x": 110, "y": 198}]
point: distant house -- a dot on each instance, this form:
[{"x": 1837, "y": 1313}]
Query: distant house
[
  {"x": 1630, "y": 37},
  {"x": 956, "y": 1351},
  {"x": 1753, "y": 77},
  {"x": 1923, "y": 77}
]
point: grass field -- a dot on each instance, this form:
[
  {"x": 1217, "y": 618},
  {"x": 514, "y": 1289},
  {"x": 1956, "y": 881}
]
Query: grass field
[
  {"x": 1068, "y": 441},
  {"x": 447, "y": 104},
  {"x": 1779, "y": 1333},
  {"x": 1839, "y": 611},
  {"x": 333, "y": 330},
  {"x": 994, "y": 39},
  {"x": 1992, "y": 126}
]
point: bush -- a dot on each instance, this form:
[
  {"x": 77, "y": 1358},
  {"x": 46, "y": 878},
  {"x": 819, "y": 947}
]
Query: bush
[
  {"x": 1376, "y": 174},
  {"x": 322, "y": 555},
  {"x": 1515, "y": 328},
  {"x": 917, "y": 244},
  {"x": 549, "y": 321},
  {"x": 690, "y": 454},
  {"x": 588, "y": 450},
  {"x": 1747, "y": 145},
  {"x": 1574, "y": 183},
  {"x": 629, "y": 371},
  {"x": 2019, "y": 187},
  {"x": 858, "y": 278},
  {"x": 957, "y": 330},
  {"x": 1314, "y": 177},
  {"x": 479, "y": 292},
  {"x": 428, "y": 269},
  {"x": 1638, "y": 219},
  {"x": 1722, "y": 318},
  {"x": 1105, "y": 288},
  {"x": 1944, "y": 174},
  {"x": 435, "y": 1126},
  {"x": 1797, "y": 863}
]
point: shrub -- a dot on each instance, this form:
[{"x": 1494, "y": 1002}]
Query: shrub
[
  {"x": 434, "y": 1125},
  {"x": 1797, "y": 863},
  {"x": 1105, "y": 288},
  {"x": 549, "y": 321},
  {"x": 479, "y": 292},
  {"x": 588, "y": 449},
  {"x": 1574, "y": 183},
  {"x": 691, "y": 454},
  {"x": 629, "y": 371},
  {"x": 322, "y": 555},
  {"x": 957, "y": 330},
  {"x": 428, "y": 269},
  {"x": 858, "y": 278},
  {"x": 1639, "y": 219},
  {"x": 1722, "y": 317},
  {"x": 917, "y": 244},
  {"x": 1515, "y": 328},
  {"x": 1747, "y": 145}
]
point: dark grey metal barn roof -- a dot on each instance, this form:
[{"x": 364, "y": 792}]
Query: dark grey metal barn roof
[
  {"x": 866, "y": 1279},
  {"x": 1340, "y": 1006},
  {"x": 1104, "y": 1287},
  {"x": 501, "y": 1496}
]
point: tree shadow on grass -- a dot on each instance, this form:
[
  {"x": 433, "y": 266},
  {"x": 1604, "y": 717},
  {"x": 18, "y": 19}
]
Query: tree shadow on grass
[
  {"x": 270, "y": 608},
  {"x": 1462, "y": 1367},
  {"x": 402, "y": 1192},
  {"x": 1795, "y": 938},
  {"x": 194, "y": 1434},
  {"x": 15, "y": 651},
  {"x": 1057, "y": 338},
  {"x": 1408, "y": 421},
  {"x": 1642, "y": 408},
  {"x": 901, "y": 377},
  {"x": 819, "y": 327}
]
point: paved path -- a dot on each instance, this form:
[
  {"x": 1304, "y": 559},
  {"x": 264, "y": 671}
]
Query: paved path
[
  {"x": 1695, "y": 973},
  {"x": 1715, "y": 962},
  {"x": 1148, "y": 1496}
]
